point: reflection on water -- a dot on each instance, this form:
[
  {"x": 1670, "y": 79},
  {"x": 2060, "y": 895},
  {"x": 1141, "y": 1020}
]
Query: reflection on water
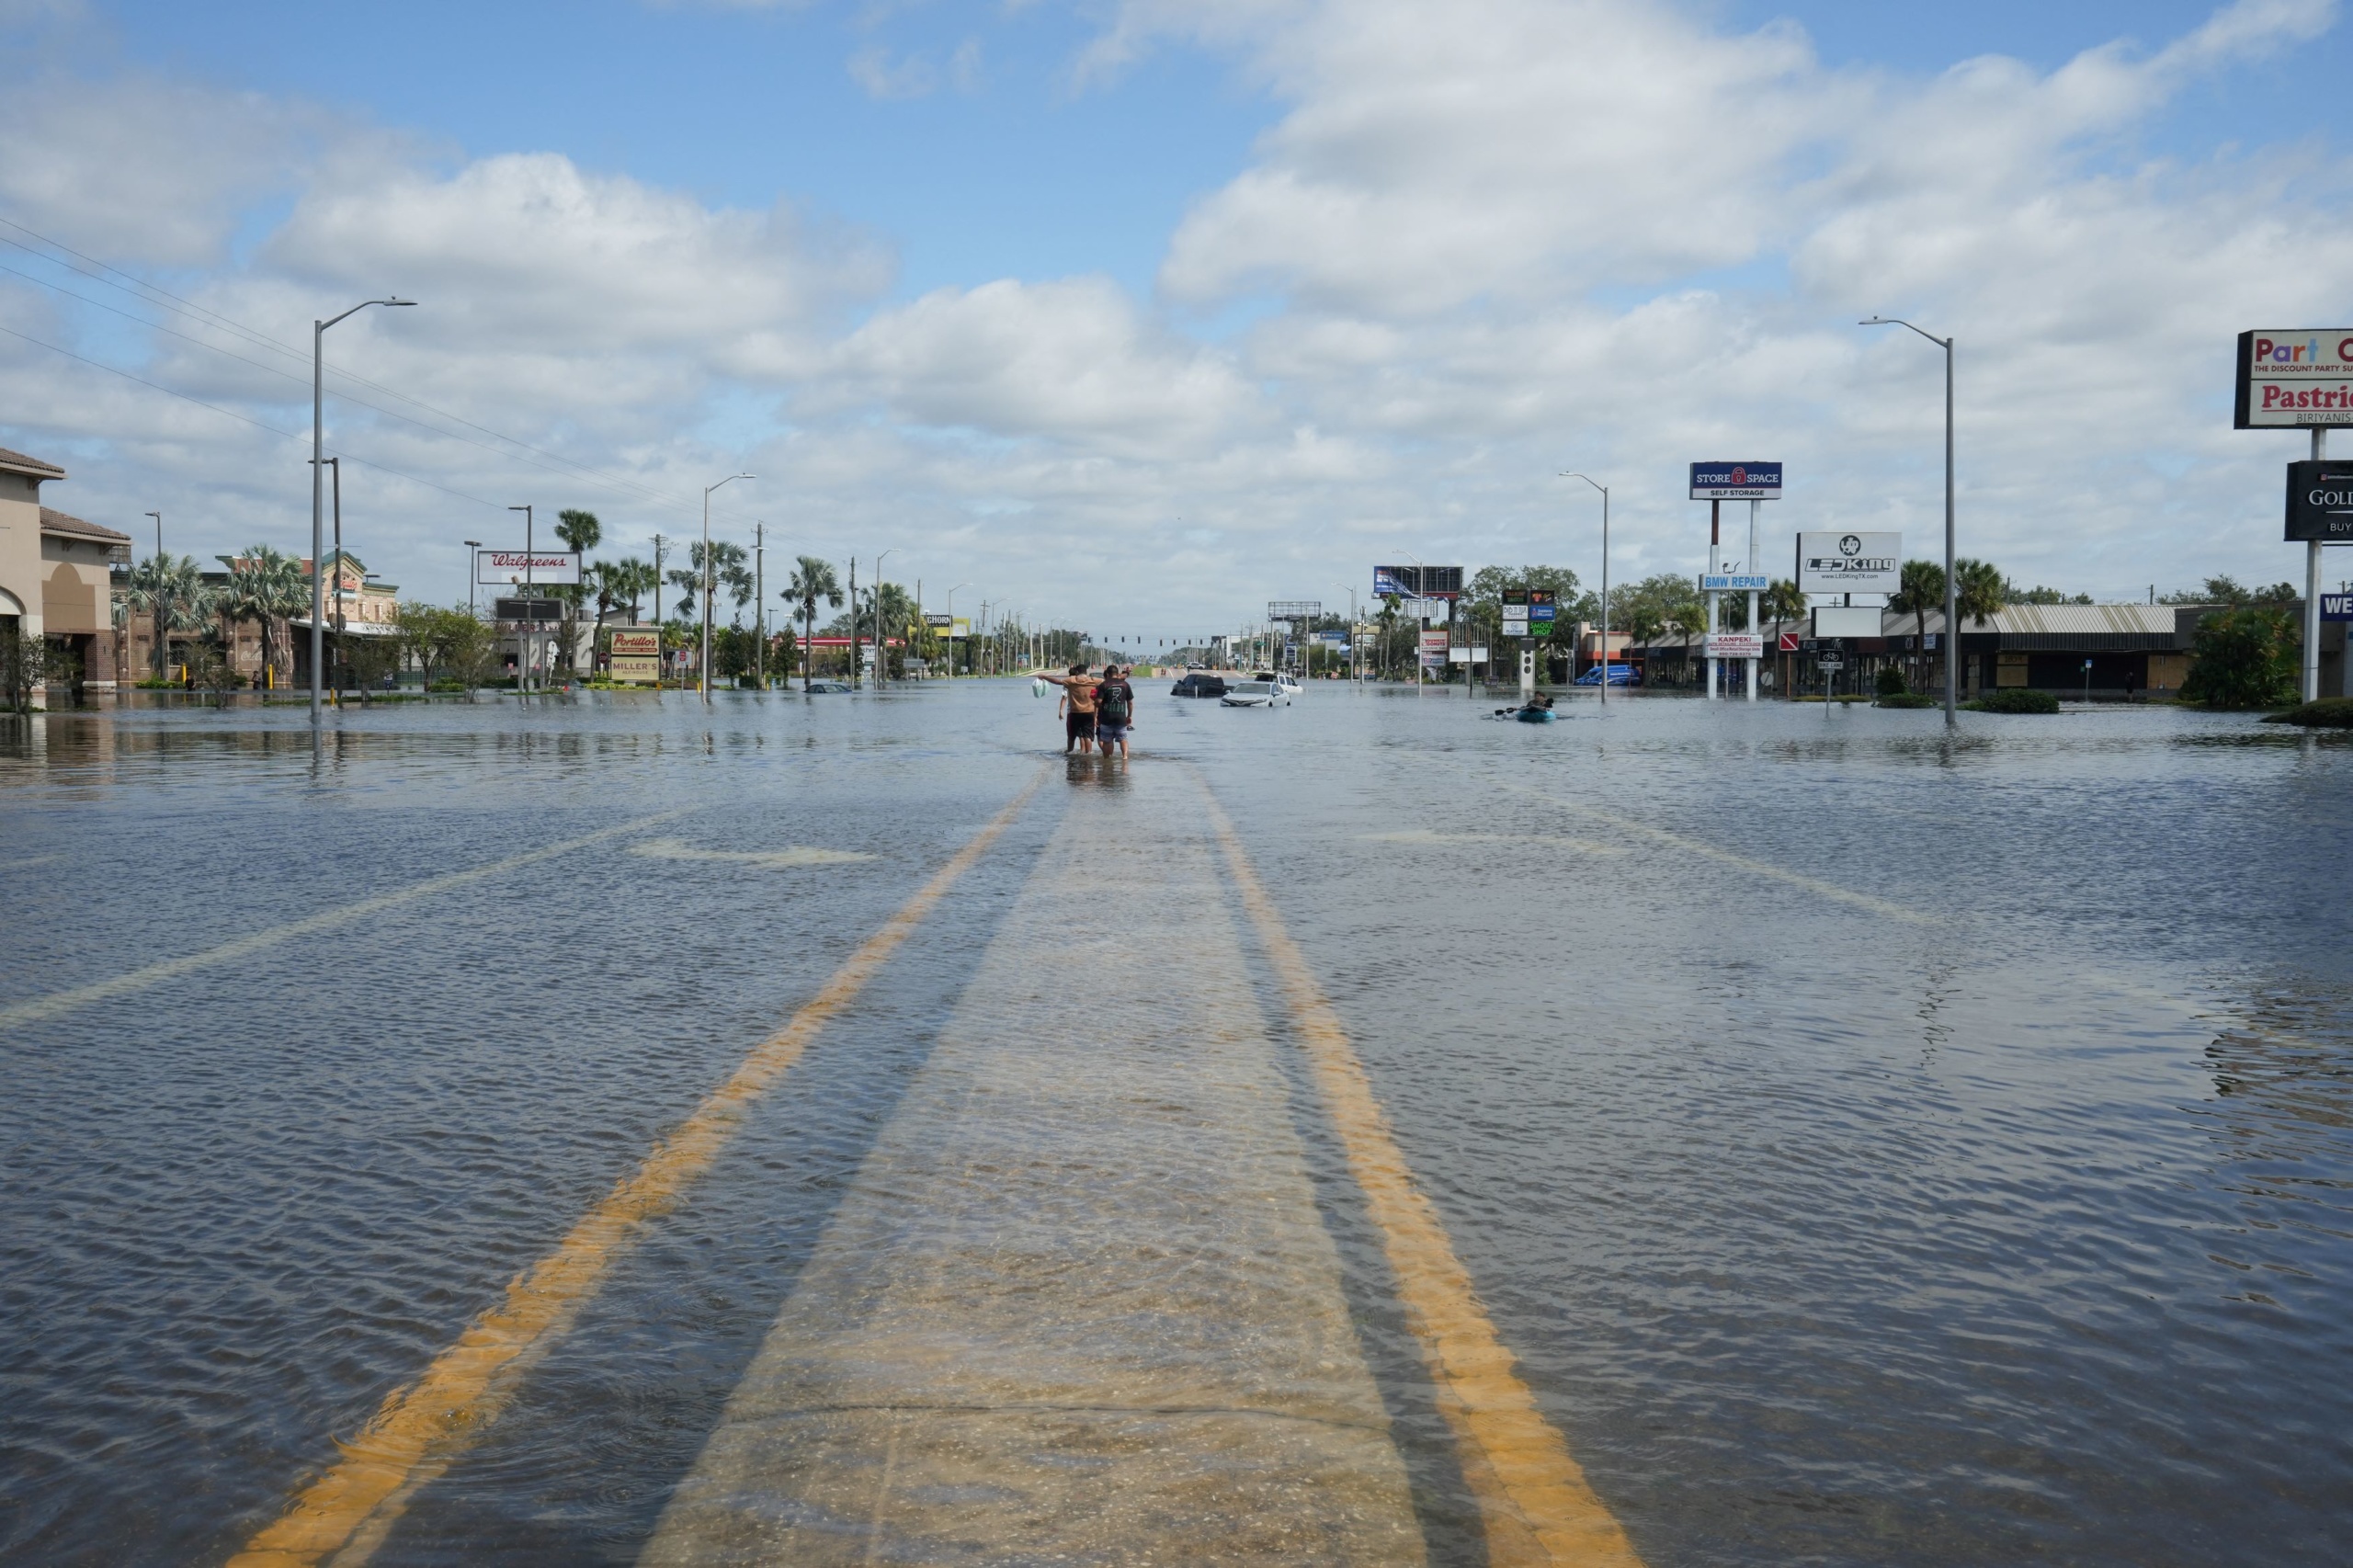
[{"x": 1875, "y": 1146}]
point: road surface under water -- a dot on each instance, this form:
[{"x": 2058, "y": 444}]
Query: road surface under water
[{"x": 840, "y": 1129}]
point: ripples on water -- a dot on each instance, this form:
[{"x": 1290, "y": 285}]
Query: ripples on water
[{"x": 2013, "y": 1230}]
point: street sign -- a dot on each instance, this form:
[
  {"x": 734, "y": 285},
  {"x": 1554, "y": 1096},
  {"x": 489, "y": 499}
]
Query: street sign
[
  {"x": 1832, "y": 563},
  {"x": 2294, "y": 377},
  {"x": 2320, "y": 502},
  {"x": 1735, "y": 645},
  {"x": 2337, "y": 606},
  {"x": 1789, "y": 642},
  {"x": 1734, "y": 583},
  {"x": 1727, "y": 481},
  {"x": 1830, "y": 662}
]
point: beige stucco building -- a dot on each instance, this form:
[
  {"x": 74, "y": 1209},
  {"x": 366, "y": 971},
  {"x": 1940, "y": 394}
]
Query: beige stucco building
[{"x": 56, "y": 571}]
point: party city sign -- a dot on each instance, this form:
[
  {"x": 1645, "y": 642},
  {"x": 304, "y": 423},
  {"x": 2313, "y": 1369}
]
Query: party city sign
[{"x": 2289, "y": 377}]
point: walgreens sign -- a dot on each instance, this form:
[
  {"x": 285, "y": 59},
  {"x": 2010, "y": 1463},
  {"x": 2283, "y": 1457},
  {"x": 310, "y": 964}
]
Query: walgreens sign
[{"x": 2289, "y": 377}]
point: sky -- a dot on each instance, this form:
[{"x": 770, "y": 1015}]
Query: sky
[{"x": 1131, "y": 315}]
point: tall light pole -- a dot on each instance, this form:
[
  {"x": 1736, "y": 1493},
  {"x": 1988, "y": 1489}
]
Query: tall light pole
[
  {"x": 1605, "y": 584},
  {"x": 159, "y": 532},
  {"x": 471, "y": 571},
  {"x": 1952, "y": 588},
  {"x": 707, "y": 579},
  {"x": 881, "y": 660},
  {"x": 318, "y": 487},
  {"x": 530, "y": 608},
  {"x": 759, "y": 602},
  {"x": 1352, "y": 630},
  {"x": 951, "y": 629}
]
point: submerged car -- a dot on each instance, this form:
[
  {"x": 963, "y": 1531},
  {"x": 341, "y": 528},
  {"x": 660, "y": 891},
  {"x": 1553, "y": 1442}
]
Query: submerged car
[
  {"x": 1255, "y": 693},
  {"x": 818, "y": 688},
  {"x": 1620, "y": 675},
  {"x": 1199, "y": 684}
]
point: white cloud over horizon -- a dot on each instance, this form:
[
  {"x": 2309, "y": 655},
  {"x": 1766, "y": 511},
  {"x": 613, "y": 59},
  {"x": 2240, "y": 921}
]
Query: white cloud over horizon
[{"x": 1476, "y": 246}]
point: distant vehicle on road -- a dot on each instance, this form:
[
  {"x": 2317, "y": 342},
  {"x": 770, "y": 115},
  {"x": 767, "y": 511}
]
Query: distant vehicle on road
[
  {"x": 1620, "y": 675},
  {"x": 1199, "y": 684},
  {"x": 1255, "y": 693},
  {"x": 818, "y": 687}
]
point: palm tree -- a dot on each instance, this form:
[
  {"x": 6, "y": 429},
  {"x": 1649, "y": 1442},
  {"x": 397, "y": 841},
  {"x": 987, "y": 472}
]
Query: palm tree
[
  {"x": 811, "y": 580},
  {"x": 1782, "y": 601},
  {"x": 266, "y": 586},
  {"x": 1919, "y": 589},
  {"x": 1977, "y": 590},
  {"x": 173, "y": 594}
]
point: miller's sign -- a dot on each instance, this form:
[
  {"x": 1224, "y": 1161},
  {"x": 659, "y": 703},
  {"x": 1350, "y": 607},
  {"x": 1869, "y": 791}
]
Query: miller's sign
[
  {"x": 1850, "y": 562},
  {"x": 502, "y": 567},
  {"x": 2293, "y": 376},
  {"x": 1728, "y": 481},
  {"x": 2320, "y": 502}
]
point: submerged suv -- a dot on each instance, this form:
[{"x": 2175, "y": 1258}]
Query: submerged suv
[{"x": 1198, "y": 683}]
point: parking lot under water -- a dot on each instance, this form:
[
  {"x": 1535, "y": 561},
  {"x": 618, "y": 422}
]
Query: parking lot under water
[{"x": 1869, "y": 1145}]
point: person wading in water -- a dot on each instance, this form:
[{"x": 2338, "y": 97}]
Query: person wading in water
[
  {"x": 1077, "y": 708},
  {"x": 1114, "y": 712}
]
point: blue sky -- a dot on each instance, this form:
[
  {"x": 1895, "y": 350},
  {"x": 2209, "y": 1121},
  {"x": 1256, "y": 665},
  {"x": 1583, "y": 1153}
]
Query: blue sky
[{"x": 1329, "y": 282}]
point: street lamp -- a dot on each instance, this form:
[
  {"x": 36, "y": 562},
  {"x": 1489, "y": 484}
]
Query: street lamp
[
  {"x": 707, "y": 578},
  {"x": 318, "y": 486},
  {"x": 1952, "y": 588},
  {"x": 530, "y": 607},
  {"x": 1605, "y": 584},
  {"x": 880, "y": 657},
  {"x": 472, "y": 545},
  {"x": 951, "y": 629},
  {"x": 1352, "y": 630}
]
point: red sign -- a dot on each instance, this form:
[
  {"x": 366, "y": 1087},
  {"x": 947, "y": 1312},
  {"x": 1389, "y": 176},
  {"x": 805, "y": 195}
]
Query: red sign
[{"x": 1789, "y": 642}]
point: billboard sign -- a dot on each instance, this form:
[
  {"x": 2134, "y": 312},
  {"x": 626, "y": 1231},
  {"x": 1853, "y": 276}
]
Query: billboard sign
[
  {"x": 1834, "y": 563},
  {"x": 2320, "y": 502},
  {"x": 2337, "y": 606},
  {"x": 1838, "y": 621},
  {"x": 1728, "y": 481},
  {"x": 1734, "y": 583},
  {"x": 1735, "y": 645},
  {"x": 2293, "y": 376},
  {"x": 638, "y": 642},
  {"x": 500, "y": 567},
  {"x": 1417, "y": 582}
]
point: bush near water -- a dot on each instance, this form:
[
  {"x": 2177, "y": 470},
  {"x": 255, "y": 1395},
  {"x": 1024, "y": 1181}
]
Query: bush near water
[
  {"x": 2328, "y": 713},
  {"x": 2014, "y": 699}
]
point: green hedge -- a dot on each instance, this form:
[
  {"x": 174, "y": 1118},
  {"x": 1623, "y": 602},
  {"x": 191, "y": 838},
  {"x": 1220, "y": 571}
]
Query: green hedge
[
  {"x": 2014, "y": 699},
  {"x": 1906, "y": 699},
  {"x": 2328, "y": 713}
]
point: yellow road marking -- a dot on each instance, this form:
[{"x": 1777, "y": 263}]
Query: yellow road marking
[
  {"x": 1533, "y": 1499},
  {"x": 418, "y": 1427},
  {"x": 60, "y": 1002},
  {"x": 1699, "y": 847}
]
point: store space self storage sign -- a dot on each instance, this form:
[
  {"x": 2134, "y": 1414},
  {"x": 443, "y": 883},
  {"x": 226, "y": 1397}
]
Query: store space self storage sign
[{"x": 2294, "y": 376}]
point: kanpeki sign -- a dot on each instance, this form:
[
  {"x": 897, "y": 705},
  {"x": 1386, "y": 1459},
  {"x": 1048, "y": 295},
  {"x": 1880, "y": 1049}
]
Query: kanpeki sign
[{"x": 2294, "y": 377}]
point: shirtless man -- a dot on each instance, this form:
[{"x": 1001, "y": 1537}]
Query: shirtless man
[{"x": 1077, "y": 708}]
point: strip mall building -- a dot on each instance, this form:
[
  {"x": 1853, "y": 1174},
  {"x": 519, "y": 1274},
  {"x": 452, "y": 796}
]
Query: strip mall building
[{"x": 56, "y": 574}]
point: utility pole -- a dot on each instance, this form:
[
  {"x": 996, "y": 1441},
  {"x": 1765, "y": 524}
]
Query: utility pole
[
  {"x": 853, "y": 623},
  {"x": 341, "y": 664},
  {"x": 472, "y": 545},
  {"x": 760, "y": 602},
  {"x": 523, "y": 635},
  {"x": 660, "y": 658}
]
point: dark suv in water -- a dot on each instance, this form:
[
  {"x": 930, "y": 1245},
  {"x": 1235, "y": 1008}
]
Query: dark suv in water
[{"x": 1199, "y": 683}]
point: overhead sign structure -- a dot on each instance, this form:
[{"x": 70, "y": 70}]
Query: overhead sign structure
[
  {"x": 1734, "y": 583},
  {"x": 1735, "y": 645},
  {"x": 2320, "y": 502},
  {"x": 1417, "y": 582},
  {"x": 1850, "y": 562},
  {"x": 2290, "y": 377},
  {"x": 501, "y": 567},
  {"x": 1741, "y": 481}
]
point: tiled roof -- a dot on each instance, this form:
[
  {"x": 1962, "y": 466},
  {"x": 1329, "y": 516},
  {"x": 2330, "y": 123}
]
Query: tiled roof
[
  {"x": 16, "y": 462},
  {"x": 56, "y": 522}
]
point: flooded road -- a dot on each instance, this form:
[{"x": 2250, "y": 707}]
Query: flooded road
[{"x": 1866, "y": 1147}]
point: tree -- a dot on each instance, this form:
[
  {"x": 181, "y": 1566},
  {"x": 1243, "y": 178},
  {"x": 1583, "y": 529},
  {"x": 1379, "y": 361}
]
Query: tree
[
  {"x": 1783, "y": 601},
  {"x": 2244, "y": 656},
  {"x": 173, "y": 594},
  {"x": 265, "y": 585},
  {"x": 1919, "y": 589},
  {"x": 1977, "y": 590},
  {"x": 811, "y": 580}
]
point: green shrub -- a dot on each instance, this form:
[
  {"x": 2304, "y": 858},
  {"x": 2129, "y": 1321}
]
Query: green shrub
[
  {"x": 2245, "y": 657},
  {"x": 1904, "y": 698},
  {"x": 2014, "y": 699},
  {"x": 2328, "y": 713},
  {"x": 1890, "y": 681}
]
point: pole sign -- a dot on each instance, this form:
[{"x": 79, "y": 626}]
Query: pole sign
[
  {"x": 1417, "y": 582},
  {"x": 1735, "y": 645},
  {"x": 1736, "y": 481},
  {"x": 2337, "y": 606},
  {"x": 637, "y": 654},
  {"x": 2294, "y": 376},
  {"x": 1515, "y": 601},
  {"x": 500, "y": 567},
  {"x": 1434, "y": 648},
  {"x": 1850, "y": 564},
  {"x": 1543, "y": 611},
  {"x": 2320, "y": 502}
]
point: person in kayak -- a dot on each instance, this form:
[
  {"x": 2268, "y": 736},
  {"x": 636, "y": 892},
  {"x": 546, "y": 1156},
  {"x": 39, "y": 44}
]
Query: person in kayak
[
  {"x": 1077, "y": 708},
  {"x": 1114, "y": 712}
]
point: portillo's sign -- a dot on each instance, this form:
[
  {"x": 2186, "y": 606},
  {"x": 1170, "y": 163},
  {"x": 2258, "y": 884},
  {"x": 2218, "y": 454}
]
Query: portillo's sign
[
  {"x": 2289, "y": 377},
  {"x": 2320, "y": 502}
]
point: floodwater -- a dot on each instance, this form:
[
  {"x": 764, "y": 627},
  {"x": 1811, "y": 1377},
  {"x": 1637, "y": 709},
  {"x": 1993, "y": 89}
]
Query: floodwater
[{"x": 1871, "y": 1147}]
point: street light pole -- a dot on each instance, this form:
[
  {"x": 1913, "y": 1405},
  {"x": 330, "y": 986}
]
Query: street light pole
[
  {"x": 159, "y": 532},
  {"x": 881, "y": 660},
  {"x": 471, "y": 571},
  {"x": 318, "y": 487},
  {"x": 1352, "y": 630},
  {"x": 951, "y": 629},
  {"x": 1605, "y": 585},
  {"x": 760, "y": 602},
  {"x": 707, "y": 578},
  {"x": 523, "y": 632},
  {"x": 1952, "y": 587}
]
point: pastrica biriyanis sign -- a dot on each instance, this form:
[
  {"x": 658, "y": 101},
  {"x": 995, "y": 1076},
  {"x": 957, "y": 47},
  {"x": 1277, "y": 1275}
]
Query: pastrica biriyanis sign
[{"x": 2294, "y": 376}]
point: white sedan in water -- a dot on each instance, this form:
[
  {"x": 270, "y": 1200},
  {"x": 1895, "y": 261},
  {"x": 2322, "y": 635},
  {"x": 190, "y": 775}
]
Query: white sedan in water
[{"x": 1256, "y": 694}]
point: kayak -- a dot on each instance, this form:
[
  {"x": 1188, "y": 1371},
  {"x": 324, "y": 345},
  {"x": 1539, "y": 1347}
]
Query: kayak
[{"x": 1534, "y": 715}]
